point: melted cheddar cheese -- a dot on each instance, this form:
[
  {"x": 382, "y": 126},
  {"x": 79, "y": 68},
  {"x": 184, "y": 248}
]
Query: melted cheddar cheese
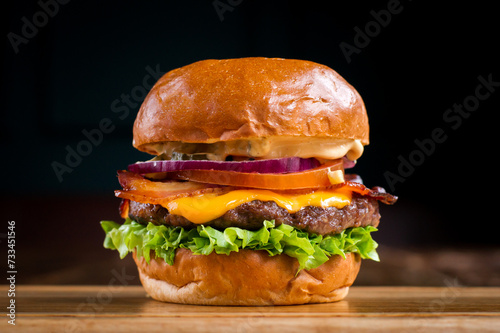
[{"x": 206, "y": 207}]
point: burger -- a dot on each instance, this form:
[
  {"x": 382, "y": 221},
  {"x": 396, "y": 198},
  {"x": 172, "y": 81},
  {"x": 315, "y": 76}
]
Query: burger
[{"x": 246, "y": 200}]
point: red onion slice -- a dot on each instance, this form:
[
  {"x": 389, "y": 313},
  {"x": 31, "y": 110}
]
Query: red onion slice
[
  {"x": 279, "y": 165},
  {"x": 348, "y": 163}
]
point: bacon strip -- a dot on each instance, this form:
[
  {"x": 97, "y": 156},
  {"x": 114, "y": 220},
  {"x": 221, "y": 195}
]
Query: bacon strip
[
  {"x": 140, "y": 189},
  {"x": 124, "y": 208},
  {"x": 377, "y": 192}
]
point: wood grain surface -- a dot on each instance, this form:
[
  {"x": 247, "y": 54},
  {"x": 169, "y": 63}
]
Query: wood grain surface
[{"x": 128, "y": 308}]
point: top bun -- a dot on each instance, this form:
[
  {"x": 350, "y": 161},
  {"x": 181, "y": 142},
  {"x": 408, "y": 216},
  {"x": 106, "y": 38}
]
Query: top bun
[{"x": 234, "y": 99}]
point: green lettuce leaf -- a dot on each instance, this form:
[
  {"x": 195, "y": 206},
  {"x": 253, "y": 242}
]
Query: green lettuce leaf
[{"x": 310, "y": 250}]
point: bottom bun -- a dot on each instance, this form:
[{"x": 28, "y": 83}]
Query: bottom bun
[{"x": 246, "y": 277}]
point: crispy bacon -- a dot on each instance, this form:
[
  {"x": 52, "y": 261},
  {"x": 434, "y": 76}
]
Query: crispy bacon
[
  {"x": 140, "y": 189},
  {"x": 124, "y": 208},
  {"x": 377, "y": 193}
]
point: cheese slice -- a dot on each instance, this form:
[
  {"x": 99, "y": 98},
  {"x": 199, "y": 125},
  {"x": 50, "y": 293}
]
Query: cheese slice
[{"x": 203, "y": 208}]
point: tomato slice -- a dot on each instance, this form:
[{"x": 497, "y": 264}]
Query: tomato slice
[{"x": 312, "y": 178}]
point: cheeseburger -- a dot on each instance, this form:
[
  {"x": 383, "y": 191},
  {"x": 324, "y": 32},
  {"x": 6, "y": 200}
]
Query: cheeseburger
[{"x": 246, "y": 201}]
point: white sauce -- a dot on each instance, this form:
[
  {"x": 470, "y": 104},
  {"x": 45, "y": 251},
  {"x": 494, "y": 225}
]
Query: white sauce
[{"x": 272, "y": 147}]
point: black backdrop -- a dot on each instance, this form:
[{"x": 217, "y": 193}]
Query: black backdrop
[{"x": 428, "y": 74}]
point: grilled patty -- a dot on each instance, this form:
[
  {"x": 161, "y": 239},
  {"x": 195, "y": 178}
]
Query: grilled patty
[{"x": 362, "y": 211}]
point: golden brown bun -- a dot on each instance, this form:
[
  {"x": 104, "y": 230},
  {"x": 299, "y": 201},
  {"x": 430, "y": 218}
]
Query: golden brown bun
[
  {"x": 246, "y": 277},
  {"x": 224, "y": 100}
]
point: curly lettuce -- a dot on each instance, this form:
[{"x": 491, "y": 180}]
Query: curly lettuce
[{"x": 310, "y": 250}]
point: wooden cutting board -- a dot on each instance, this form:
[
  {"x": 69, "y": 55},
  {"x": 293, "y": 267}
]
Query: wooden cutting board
[{"x": 129, "y": 309}]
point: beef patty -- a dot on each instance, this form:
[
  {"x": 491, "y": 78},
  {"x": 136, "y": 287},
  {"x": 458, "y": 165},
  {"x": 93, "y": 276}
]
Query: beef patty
[{"x": 362, "y": 211}]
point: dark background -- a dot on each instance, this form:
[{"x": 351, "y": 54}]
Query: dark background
[{"x": 84, "y": 56}]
